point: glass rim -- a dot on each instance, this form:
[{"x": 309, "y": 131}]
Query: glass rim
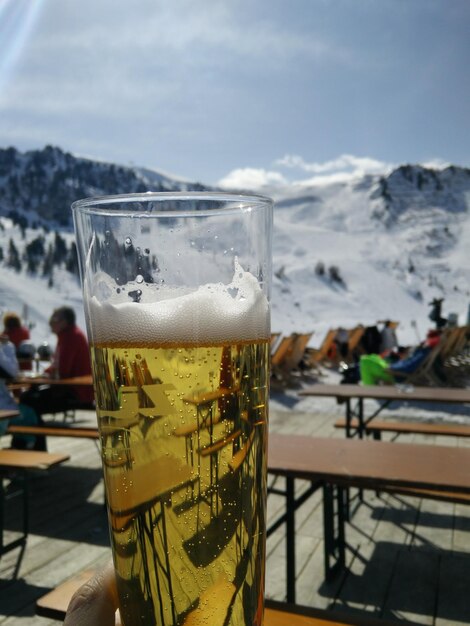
[{"x": 101, "y": 205}]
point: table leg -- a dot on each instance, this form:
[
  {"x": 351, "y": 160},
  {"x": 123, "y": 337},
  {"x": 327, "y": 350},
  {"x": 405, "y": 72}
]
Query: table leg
[
  {"x": 22, "y": 490},
  {"x": 360, "y": 418},
  {"x": 348, "y": 417},
  {"x": 290, "y": 539},
  {"x": 334, "y": 533}
]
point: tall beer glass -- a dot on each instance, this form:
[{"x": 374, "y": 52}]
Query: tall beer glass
[{"x": 176, "y": 293}]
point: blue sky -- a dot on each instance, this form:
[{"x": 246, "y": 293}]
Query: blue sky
[{"x": 243, "y": 91}]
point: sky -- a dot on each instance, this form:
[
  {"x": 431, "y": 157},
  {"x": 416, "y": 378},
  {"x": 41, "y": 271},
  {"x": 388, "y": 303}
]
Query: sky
[{"x": 236, "y": 92}]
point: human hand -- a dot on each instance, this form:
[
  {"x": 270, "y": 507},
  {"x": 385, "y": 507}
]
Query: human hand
[{"x": 95, "y": 603}]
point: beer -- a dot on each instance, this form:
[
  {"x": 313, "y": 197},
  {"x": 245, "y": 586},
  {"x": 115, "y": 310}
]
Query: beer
[
  {"x": 183, "y": 429},
  {"x": 176, "y": 291}
]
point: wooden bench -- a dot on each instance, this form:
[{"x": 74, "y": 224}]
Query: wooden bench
[
  {"x": 54, "y": 431},
  {"x": 53, "y": 605},
  {"x": 377, "y": 427},
  {"x": 6, "y": 414},
  {"x": 384, "y": 395},
  {"x": 336, "y": 464},
  {"x": 21, "y": 462}
]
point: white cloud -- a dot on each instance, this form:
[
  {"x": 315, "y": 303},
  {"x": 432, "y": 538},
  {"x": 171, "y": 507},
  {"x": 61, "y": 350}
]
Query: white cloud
[
  {"x": 344, "y": 163},
  {"x": 251, "y": 178},
  {"x": 342, "y": 169}
]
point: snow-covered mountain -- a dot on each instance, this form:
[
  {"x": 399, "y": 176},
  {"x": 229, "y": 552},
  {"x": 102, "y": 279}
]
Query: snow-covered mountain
[
  {"x": 397, "y": 242},
  {"x": 368, "y": 249},
  {"x": 40, "y": 185}
]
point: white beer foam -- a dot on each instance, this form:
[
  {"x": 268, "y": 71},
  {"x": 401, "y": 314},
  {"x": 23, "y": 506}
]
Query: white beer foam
[{"x": 213, "y": 313}]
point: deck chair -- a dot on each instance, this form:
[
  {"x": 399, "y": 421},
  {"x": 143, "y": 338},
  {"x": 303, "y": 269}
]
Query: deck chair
[
  {"x": 296, "y": 354},
  {"x": 316, "y": 355},
  {"x": 455, "y": 358},
  {"x": 426, "y": 374},
  {"x": 355, "y": 336},
  {"x": 457, "y": 340},
  {"x": 281, "y": 350},
  {"x": 291, "y": 357}
]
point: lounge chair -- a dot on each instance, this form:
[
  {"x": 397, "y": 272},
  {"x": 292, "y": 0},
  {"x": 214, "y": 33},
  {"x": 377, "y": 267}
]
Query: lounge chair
[{"x": 289, "y": 355}]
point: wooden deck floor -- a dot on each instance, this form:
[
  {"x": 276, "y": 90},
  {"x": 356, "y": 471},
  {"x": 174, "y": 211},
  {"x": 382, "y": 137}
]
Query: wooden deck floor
[{"x": 408, "y": 558}]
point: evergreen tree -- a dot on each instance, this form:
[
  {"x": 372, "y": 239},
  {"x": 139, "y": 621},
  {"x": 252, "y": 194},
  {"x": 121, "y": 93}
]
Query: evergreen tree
[
  {"x": 60, "y": 249},
  {"x": 13, "y": 259},
  {"x": 71, "y": 264},
  {"x": 33, "y": 253},
  {"x": 48, "y": 264}
]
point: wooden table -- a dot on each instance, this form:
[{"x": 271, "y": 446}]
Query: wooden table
[
  {"x": 384, "y": 394},
  {"x": 46, "y": 380},
  {"x": 21, "y": 461},
  {"x": 334, "y": 464}
]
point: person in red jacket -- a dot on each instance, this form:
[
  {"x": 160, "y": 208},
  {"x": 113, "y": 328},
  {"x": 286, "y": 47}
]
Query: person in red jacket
[
  {"x": 72, "y": 354},
  {"x": 71, "y": 359},
  {"x": 19, "y": 336},
  {"x": 14, "y": 329}
]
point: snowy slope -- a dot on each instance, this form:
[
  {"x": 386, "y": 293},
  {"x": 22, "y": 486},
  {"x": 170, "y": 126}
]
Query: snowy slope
[
  {"x": 395, "y": 241},
  {"x": 394, "y": 254}
]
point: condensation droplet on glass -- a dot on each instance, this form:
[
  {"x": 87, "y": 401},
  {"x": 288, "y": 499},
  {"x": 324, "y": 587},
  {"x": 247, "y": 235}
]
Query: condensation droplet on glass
[
  {"x": 139, "y": 278},
  {"x": 128, "y": 241}
]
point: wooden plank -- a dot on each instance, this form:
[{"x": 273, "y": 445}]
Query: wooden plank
[
  {"x": 87, "y": 380},
  {"x": 370, "y": 464},
  {"x": 390, "y": 392},
  {"x": 54, "y": 431},
  {"x": 283, "y": 614},
  {"x": 55, "y": 603},
  {"x": 6, "y": 414},
  {"x": 424, "y": 428},
  {"x": 29, "y": 459}
]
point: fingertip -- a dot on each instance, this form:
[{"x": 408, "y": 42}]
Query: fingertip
[{"x": 95, "y": 602}]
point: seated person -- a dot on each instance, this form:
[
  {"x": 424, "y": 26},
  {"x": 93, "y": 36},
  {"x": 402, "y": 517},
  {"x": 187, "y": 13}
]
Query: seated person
[
  {"x": 388, "y": 338},
  {"x": 374, "y": 369},
  {"x": 71, "y": 359},
  {"x": 14, "y": 329},
  {"x": 18, "y": 335},
  {"x": 8, "y": 370},
  {"x": 342, "y": 342}
]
